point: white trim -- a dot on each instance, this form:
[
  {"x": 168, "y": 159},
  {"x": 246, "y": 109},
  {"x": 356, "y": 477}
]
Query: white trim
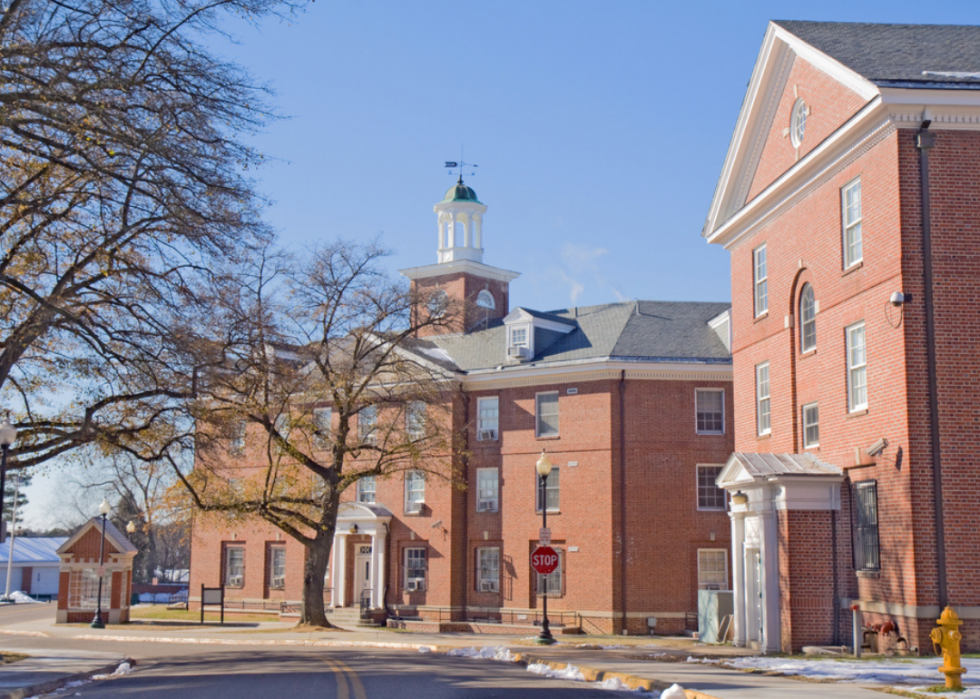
[
  {"x": 803, "y": 409},
  {"x": 759, "y": 430},
  {"x": 760, "y": 282},
  {"x": 846, "y": 260},
  {"x": 852, "y": 405},
  {"x": 703, "y": 586},
  {"x": 537, "y": 413},
  {"x": 477, "y": 269},
  {"x": 713, "y": 390}
]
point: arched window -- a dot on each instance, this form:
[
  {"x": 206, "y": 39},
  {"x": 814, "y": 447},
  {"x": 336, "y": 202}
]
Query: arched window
[
  {"x": 808, "y": 319},
  {"x": 485, "y": 300},
  {"x": 438, "y": 303}
]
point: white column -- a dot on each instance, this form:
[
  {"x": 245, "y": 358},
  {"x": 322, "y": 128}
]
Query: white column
[
  {"x": 770, "y": 579},
  {"x": 738, "y": 576},
  {"x": 467, "y": 229},
  {"x": 378, "y": 566},
  {"x": 442, "y": 233},
  {"x": 339, "y": 571},
  {"x": 478, "y": 231}
]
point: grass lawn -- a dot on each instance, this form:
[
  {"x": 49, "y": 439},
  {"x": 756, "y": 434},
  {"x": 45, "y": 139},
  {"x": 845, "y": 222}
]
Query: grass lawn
[
  {"x": 6, "y": 657},
  {"x": 163, "y": 614}
]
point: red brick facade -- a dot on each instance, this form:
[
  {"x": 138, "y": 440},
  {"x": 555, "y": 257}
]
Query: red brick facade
[{"x": 799, "y": 220}]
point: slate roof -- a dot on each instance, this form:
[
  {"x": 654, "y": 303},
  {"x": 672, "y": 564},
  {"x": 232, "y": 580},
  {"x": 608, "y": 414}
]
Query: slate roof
[
  {"x": 32, "y": 550},
  {"x": 661, "y": 331},
  {"x": 762, "y": 465},
  {"x": 898, "y": 55}
]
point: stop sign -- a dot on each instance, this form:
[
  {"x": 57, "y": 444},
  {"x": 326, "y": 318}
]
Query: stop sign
[{"x": 544, "y": 560}]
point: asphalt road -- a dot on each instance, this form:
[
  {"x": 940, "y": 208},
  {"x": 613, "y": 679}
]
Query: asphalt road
[{"x": 175, "y": 670}]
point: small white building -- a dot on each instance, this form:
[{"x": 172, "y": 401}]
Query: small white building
[{"x": 34, "y": 570}]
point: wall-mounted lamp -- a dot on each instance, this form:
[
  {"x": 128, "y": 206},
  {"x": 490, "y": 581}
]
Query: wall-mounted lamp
[
  {"x": 353, "y": 529},
  {"x": 739, "y": 498}
]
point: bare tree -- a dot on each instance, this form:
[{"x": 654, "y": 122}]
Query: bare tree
[
  {"x": 122, "y": 183},
  {"x": 337, "y": 333}
]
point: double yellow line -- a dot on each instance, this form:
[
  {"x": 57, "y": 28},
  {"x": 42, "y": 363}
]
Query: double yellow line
[{"x": 345, "y": 675}]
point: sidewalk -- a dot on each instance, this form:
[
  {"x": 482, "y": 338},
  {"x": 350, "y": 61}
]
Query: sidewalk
[
  {"x": 49, "y": 670},
  {"x": 653, "y": 663}
]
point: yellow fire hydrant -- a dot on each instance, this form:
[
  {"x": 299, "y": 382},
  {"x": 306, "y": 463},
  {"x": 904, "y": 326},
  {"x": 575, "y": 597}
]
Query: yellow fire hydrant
[{"x": 947, "y": 637}]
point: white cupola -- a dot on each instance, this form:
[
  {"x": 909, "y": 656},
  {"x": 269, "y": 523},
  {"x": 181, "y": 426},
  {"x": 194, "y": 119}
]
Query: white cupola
[{"x": 460, "y": 220}]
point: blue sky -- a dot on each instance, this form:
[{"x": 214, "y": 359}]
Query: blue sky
[{"x": 599, "y": 129}]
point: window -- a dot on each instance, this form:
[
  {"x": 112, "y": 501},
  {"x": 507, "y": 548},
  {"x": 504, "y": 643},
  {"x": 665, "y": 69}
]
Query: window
[
  {"x": 282, "y": 426},
  {"x": 762, "y": 398},
  {"x": 547, "y": 414},
  {"x": 277, "y": 566},
  {"x": 866, "y": 555},
  {"x": 487, "y": 418},
  {"x": 234, "y": 565},
  {"x": 438, "y": 303},
  {"x": 237, "y": 443},
  {"x": 415, "y": 419},
  {"x": 713, "y": 569},
  {"x": 485, "y": 300},
  {"x": 710, "y": 496},
  {"x": 415, "y": 565},
  {"x": 811, "y": 426},
  {"x": 83, "y": 589},
  {"x": 322, "y": 423},
  {"x": 366, "y": 489},
  {"x": 761, "y": 281},
  {"x": 710, "y": 409},
  {"x": 851, "y": 214},
  {"x": 488, "y": 569},
  {"x": 518, "y": 336},
  {"x": 552, "y": 583},
  {"x": 367, "y": 424},
  {"x": 487, "y": 489},
  {"x": 808, "y": 319},
  {"x": 797, "y": 122},
  {"x": 857, "y": 368},
  {"x": 414, "y": 491},
  {"x": 550, "y": 494}
]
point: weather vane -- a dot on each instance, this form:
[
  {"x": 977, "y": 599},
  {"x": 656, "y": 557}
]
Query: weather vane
[{"x": 452, "y": 165}]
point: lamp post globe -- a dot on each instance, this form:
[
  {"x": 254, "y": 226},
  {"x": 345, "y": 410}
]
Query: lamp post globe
[
  {"x": 104, "y": 509},
  {"x": 131, "y": 527},
  {"x": 544, "y": 465}
]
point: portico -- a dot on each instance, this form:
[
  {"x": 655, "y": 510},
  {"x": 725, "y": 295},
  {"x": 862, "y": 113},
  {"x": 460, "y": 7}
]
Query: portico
[{"x": 360, "y": 520}]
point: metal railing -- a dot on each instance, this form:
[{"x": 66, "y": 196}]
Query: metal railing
[{"x": 530, "y": 617}]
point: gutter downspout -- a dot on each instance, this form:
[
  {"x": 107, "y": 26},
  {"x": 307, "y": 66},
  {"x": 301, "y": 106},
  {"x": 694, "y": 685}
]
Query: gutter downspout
[
  {"x": 622, "y": 490},
  {"x": 924, "y": 141},
  {"x": 466, "y": 512}
]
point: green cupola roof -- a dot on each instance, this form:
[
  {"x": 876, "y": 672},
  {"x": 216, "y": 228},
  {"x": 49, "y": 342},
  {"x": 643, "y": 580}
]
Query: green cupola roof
[{"x": 460, "y": 192}]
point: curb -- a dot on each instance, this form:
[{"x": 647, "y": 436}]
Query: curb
[{"x": 54, "y": 685}]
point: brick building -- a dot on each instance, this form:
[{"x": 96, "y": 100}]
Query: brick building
[
  {"x": 848, "y": 201},
  {"x": 633, "y": 403}
]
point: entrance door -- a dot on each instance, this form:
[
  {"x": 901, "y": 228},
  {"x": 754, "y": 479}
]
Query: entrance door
[
  {"x": 362, "y": 574},
  {"x": 753, "y": 594}
]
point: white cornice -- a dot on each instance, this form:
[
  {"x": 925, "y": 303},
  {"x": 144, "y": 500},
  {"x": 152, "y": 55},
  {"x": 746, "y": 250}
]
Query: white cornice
[
  {"x": 477, "y": 269},
  {"x": 600, "y": 370}
]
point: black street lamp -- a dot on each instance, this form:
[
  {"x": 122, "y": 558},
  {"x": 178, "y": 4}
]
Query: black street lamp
[
  {"x": 97, "y": 622},
  {"x": 544, "y": 468},
  {"x": 8, "y": 433}
]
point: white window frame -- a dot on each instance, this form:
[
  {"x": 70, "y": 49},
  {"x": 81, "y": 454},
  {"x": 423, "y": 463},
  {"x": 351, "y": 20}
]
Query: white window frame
[
  {"x": 488, "y": 489},
  {"x": 83, "y": 589},
  {"x": 556, "y": 578},
  {"x": 519, "y": 336},
  {"x": 367, "y": 489},
  {"x": 367, "y": 424},
  {"x": 553, "y": 491},
  {"x": 805, "y": 419},
  {"x": 857, "y": 367},
  {"x": 487, "y": 418},
  {"x": 760, "y": 280},
  {"x": 707, "y": 578},
  {"x": 808, "y": 319},
  {"x": 851, "y": 224},
  {"x": 415, "y": 419},
  {"x": 236, "y": 445},
  {"x": 322, "y": 426},
  {"x": 763, "y": 403},
  {"x": 710, "y": 494},
  {"x": 488, "y": 569},
  {"x": 239, "y": 570},
  {"x": 485, "y": 300},
  {"x": 414, "y": 491},
  {"x": 538, "y": 414},
  {"x": 415, "y": 554},
  {"x": 274, "y": 550},
  {"x": 698, "y": 412}
]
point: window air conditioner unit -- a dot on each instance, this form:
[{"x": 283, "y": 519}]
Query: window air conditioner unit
[
  {"x": 518, "y": 352},
  {"x": 236, "y": 581},
  {"x": 278, "y": 583},
  {"x": 488, "y": 586},
  {"x": 412, "y": 585},
  {"x": 487, "y": 436},
  {"x": 486, "y": 506}
]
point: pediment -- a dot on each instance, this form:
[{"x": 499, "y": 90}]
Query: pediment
[{"x": 760, "y": 150}]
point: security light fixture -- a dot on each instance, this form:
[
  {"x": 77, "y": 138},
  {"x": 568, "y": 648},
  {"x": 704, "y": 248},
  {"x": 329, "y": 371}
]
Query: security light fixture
[{"x": 739, "y": 498}]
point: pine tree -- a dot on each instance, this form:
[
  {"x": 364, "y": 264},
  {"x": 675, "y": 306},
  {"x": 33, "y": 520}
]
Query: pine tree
[{"x": 8, "y": 494}]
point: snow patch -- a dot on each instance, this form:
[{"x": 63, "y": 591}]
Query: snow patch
[
  {"x": 498, "y": 653},
  {"x": 569, "y": 672},
  {"x": 674, "y": 691},
  {"x": 123, "y": 669},
  {"x": 19, "y": 597}
]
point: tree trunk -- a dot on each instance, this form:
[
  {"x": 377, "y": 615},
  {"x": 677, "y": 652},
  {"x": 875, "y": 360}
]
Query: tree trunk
[{"x": 314, "y": 571}]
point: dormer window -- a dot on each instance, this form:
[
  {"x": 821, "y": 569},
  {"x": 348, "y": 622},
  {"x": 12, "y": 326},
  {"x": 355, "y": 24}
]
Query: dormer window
[
  {"x": 518, "y": 337},
  {"x": 518, "y": 342},
  {"x": 525, "y": 329}
]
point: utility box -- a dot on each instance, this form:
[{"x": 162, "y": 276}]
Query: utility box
[{"x": 713, "y": 607}]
